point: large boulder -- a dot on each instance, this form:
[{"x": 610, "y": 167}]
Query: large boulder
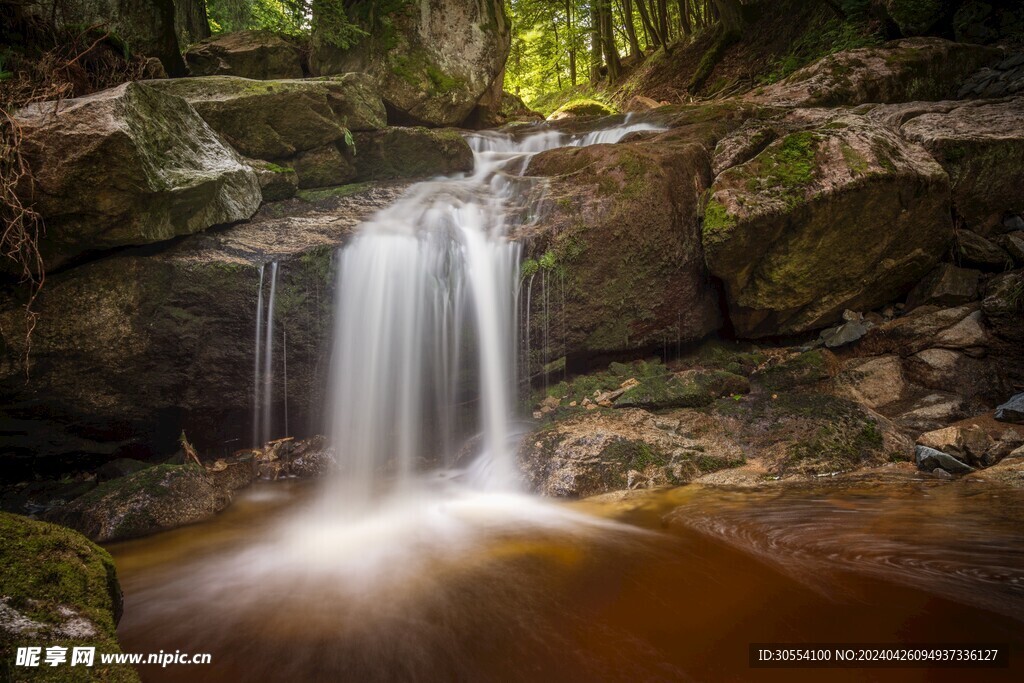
[
  {"x": 980, "y": 144},
  {"x": 844, "y": 216},
  {"x": 131, "y": 349},
  {"x": 249, "y": 54},
  {"x": 150, "y": 500},
  {"x": 57, "y": 589},
  {"x": 146, "y": 27},
  {"x": 898, "y": 71},
  {"x": 432, "y": 61},
  {"x": 127, "y": 166},
  {"x": 397, "y": 152},
  {"x": 615, "y": 263},
  {"x": 300, "y": 124}
]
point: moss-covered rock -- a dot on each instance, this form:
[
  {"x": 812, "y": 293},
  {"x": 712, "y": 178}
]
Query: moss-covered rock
[
  {"x": 147, "y": 501},
  {"x": 802, "y": 369},
  {"x": 126, "y": 166},
  {"x": 583, "y": 107},
  {"x": 277, "y": 182},
  {"x": 617, "y": 247},
  {"x": 325, "y": 166},
  {"x": 843, "y": 216},
  {"x": 431, "y": 63},
  {"x": 809, "y": 433},
  {"x": 57, "y": 588},
  {"x": 410, "y": 153},
  {"x": 603, "y": 451},
  {"x": 687, "y": 389},
  {"x": 980, "y": 145},
  {"x": 898, "y": 71},
  {"x": 250, "y": 54}
]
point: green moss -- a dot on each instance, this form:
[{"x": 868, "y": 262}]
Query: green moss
[
  {"x": 855, "y": 161},
  {"x": 270, "y": 166},
  {"x": 809, "y": 367},
  {"x": 692, "y": 390},
  {"x": 585, "y": 107},
  {"x": 785, "y": 168},
  {"x": 47, "y": 568},
  {"x": 635, "y": 455},
  {"x": 718, "y": 222}
]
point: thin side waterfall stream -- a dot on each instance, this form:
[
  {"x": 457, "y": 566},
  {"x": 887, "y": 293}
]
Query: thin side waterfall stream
[{"x": 422, "y": 558}]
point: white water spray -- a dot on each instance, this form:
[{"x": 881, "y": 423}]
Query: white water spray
[{"x": 426, "y": 321}]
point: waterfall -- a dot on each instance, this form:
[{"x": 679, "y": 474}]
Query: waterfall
[
  {"x": 263, "y": 365},
  {"x": 257, "y": 357},
  {"x": 426, "y": 321}
]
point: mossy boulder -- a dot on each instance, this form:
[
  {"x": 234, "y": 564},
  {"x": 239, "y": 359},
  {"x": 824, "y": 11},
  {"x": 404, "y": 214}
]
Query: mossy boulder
[
  {"x": 577, "y": 108},
  {"x": 432, "y": 63},
  {"x": 898, "y": 71},
  {"x": 808, "y": 433},
  {"x": 846, "y": 215},
  {"x": 980, "y": 144},
  {"x": 57, "y": 588},
  {"x": 687, "y": 389},
  {"x": 602, "y": 451},
  {"x": 277, "y": 182},
  {"x": 615, "y": 262},
  {"x": 127, "y": 166},
  {"x": 326, "y": 166},
  {"x": 150, "y": 500},
  {"x": 303, "y": 124},
  {"x": 398, "y": 152},
  {"x": 250, "y": 54}
]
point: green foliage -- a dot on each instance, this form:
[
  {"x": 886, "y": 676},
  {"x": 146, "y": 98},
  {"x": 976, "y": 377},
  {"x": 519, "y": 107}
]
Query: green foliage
[
  {"x": 835, "y": 36},
  {"x": 718, "y": 222},
  {"x": 329, "y": 20}
]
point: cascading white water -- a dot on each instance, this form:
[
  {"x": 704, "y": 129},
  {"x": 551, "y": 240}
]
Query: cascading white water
[
  {"x": 263, "y": 365},
  {"x": 426, "y": 319}
]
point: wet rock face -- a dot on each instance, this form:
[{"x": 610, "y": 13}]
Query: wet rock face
[
  {"x": 899, "y": 71},
  {"x": 300, "y": 125},
  {"x": 433, "y": 63},
  {"x": 58, "y": 588},
  {"x": 128, "y": 166},
  {"x": 846, "y": 215},
  {"x": 153, "y": 499},
  {"x": 131, "y": 349},
  {"x": 615, "y": 261},
  {"x": 249, "y": 54}
]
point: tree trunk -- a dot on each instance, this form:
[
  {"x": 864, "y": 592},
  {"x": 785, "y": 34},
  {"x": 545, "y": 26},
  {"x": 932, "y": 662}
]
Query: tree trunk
[
  {"x": 627, "y": 16},
  {"x": 595, "y": 43},
  {"x": 684, "y": 17},
  {"x": 730, "y": 13},
  {"x": 571, "y": 37},
  {"x": 645, "y": 17}
]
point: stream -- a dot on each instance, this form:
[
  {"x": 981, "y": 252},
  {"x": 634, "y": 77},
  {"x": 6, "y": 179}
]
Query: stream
[{"x": 412, "y": 564}]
